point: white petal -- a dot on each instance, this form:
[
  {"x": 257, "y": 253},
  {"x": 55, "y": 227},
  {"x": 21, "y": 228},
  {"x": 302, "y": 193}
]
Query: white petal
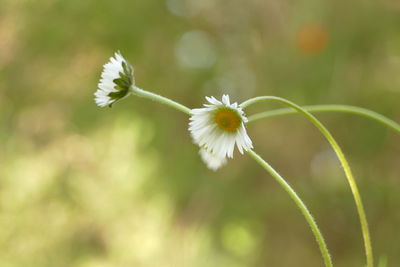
[
  {"x": 212, "y": 161},
  {"x": 225, "y": 100}
]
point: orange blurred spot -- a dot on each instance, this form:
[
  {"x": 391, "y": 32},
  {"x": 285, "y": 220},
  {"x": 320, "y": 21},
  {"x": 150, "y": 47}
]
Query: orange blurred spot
[{"x": 312, "y": 38}]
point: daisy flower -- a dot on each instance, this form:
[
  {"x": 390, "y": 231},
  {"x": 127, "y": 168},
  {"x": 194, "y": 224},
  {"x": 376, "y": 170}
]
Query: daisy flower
[
  {"x": 217, "y": 127},
  {"x": 116, "y": 79}
]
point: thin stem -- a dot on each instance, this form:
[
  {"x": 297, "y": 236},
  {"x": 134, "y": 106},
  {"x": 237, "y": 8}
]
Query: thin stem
[
  {"x": 140, "y": 92},
  {"x": 343, "y": 161},
  {"x": 330, "y": 108},
  {"x": 299, "y": 203}
]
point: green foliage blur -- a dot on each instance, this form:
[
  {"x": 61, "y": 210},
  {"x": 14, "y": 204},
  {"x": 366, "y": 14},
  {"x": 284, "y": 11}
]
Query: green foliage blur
[{"x": 90, "y": 187}]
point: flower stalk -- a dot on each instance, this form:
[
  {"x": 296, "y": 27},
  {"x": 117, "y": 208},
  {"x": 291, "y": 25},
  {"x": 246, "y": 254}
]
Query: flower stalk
[
  {"x": 343, "y": 161},
  {"x": 163, "y": 100},
  {"x": 329, "y": 108},
  {"x": 303, "y": 208}
]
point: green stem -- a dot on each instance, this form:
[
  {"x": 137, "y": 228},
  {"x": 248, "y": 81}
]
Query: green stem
[
  {"x": 342, "y": 159},
  {"x": 140, "y": 92},
  {"x": 299, "y": 203},
  {"x": 330, "y": 108}
]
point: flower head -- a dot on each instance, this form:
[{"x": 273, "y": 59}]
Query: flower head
[
  {"x": 116, "y": 79},
  {"x": 217, "y": 127}
]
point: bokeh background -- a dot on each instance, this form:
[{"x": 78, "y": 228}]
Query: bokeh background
[{"x": 89, "y": 187}]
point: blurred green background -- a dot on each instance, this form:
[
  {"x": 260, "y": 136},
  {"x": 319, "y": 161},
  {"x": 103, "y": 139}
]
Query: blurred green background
[{"x": 90, "y": 187}]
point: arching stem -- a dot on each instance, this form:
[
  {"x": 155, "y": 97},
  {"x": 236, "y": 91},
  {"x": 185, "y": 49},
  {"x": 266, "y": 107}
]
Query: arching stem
[
  {"x": 342, "y": 159},
  {"x": 300, "y": 204},
  {"x": 330, "y": 108},
  {"x": 140, "y": 92}
]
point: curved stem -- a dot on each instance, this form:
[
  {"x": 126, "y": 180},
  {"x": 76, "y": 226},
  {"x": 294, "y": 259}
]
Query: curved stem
[
  {"x": 343, "y": 161},
  {"x": 140, "y": 92},
  {"x": 329, "y": 108},
  {"x": 299, "y": 203}
]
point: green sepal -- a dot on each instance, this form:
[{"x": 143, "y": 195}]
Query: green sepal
[
  {"x": 118, "y": 95},
  {"x": 128, "y": 69},
  {"x": 121, "y": 83}
]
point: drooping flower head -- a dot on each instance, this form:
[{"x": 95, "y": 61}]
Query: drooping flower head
[
  {"x": 212, "y": 161},
  {"x": 116, "y": 79},
  {"x": 217, "y": 127}
]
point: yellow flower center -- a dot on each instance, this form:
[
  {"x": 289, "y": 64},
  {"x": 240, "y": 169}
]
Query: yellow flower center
[{"x": 227, "y": 120}]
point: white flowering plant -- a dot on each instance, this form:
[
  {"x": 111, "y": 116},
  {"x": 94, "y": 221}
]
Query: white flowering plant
[{"x": 219, "y": 126}]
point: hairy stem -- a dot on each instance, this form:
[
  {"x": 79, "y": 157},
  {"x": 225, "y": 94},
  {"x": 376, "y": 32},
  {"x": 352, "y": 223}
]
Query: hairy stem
[
  {"x": 329, "y": 108},
  {"x": 140, "y": 92},
  {"x": 299, "y": 203},
  {"x": 343, "y": 161}
]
